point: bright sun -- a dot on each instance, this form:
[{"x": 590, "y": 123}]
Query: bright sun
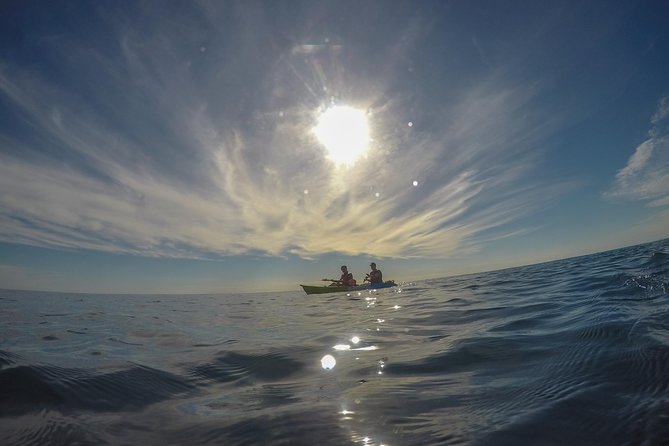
[{"x": 344, "y": 132}]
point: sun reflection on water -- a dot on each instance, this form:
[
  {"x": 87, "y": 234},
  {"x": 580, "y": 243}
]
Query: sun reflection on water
[
  {"x": 361, "y": 370},
  {"x": 328, "y": 362}
]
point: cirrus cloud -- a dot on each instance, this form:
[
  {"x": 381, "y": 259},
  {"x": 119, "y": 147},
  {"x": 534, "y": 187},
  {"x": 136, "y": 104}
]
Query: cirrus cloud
[
  {"x": 646, "y": 175},
  {"x": 158, "y": 158}
]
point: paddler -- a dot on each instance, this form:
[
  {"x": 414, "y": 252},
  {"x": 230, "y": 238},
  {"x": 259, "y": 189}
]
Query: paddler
[
  {"x": 374, "y": 276},
  {"x": 346, "y": 278}
]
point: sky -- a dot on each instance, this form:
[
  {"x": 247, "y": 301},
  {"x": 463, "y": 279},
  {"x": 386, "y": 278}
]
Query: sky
[{"x": 178, "y": 147}]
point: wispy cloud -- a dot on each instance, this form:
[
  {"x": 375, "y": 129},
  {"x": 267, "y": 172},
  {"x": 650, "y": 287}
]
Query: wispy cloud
[
  {"x": 646, "y": 175},
  {"x": 662, "y": 112},
  {"x": 163, "y": 158}
]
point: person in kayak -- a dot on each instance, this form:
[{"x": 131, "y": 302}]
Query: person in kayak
[
  {"x": 346, "y": 278},
  {"x": 374, "y": 275}
]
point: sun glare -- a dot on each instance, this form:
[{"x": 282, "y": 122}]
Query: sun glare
[{"x": 344, "y": 133}]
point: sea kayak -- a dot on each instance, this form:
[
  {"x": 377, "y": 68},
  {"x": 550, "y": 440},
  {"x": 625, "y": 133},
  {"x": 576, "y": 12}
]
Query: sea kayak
[{"x": 309, "y": 289}]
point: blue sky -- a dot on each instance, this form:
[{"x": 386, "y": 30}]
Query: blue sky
[{"x": 170, "y": 146}]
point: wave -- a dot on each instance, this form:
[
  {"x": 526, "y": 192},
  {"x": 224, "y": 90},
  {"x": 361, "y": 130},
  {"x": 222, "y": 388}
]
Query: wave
[{"x": 34, "y": 388}]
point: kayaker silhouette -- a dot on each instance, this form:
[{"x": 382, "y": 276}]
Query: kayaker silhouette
[
  {"x": 374, "y": 276},
  {"x": 346, "y": 278}
]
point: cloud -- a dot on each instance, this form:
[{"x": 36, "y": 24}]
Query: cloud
[
  {"x": 662, "y": 111},
  {"x": 153, "y": 156},
  {"x": 646, "y": 175}
]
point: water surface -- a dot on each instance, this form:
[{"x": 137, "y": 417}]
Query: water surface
[{"x": 573, "y": 352}]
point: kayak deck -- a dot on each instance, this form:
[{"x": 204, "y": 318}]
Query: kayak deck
[{"x": 309, "y": 289}]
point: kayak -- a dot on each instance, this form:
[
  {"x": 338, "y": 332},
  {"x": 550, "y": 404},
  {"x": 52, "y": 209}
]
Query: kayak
[{"x": 309, "y": 289}]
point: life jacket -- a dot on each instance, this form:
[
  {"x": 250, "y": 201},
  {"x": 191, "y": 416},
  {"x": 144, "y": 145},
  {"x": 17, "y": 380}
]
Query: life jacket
[{"x": 348, "y": 280}]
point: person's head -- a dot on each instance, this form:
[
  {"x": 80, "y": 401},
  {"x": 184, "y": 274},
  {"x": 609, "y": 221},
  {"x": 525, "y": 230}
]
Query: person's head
[
  {"x": 372, "y": 265},
  {"x": 343, "y": 268}
]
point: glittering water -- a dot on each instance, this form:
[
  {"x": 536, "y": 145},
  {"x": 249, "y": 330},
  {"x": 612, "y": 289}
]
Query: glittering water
[{"x": 574, "y": 352}]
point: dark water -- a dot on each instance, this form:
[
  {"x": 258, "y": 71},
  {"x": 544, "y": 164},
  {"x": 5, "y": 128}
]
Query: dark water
[{"x": 574, "y": 352}]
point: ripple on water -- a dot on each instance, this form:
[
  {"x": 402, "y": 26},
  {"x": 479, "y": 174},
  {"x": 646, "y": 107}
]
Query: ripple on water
[
  {"x": 233, "y": 366},
  {"x": 50, "y": 428},
  {"x": 33, "y": 388}
]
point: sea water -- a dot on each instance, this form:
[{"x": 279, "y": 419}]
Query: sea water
[{"x": 571, "y": 352}]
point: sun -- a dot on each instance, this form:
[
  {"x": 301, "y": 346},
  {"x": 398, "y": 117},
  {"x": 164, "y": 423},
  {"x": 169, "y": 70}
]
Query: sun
[{"x": 344, "y": 132}]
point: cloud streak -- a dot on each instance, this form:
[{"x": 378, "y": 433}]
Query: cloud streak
[
  {"x": 169, "y": 159},
  {"x": 646, "y": 175}
]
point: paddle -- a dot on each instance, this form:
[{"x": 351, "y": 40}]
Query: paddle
[{"x": 334, "y": 282}]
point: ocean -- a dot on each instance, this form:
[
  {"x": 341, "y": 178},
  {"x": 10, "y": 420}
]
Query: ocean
[{"x": 570, "y": 352}]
